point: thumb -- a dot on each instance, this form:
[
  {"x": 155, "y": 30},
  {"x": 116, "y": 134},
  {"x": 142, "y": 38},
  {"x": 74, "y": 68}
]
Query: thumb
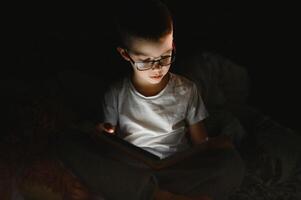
[{"x": 109, "y": 127}]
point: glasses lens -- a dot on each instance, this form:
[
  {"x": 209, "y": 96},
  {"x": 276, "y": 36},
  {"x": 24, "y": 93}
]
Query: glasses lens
[
  {"x": 148, "y": 65},
  {"x": 165, "y": 61},
  {"x": 144, "y": 65}
]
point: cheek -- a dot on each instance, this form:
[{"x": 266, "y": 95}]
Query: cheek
[
  {"x": 165, "y": 69},
  {"x": 141, "y": 73}
]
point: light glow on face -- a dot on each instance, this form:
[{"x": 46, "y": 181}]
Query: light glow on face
[{"x": 144, "y": 50}]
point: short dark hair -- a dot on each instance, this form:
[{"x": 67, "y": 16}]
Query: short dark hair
[{"x": 146, "y": 19}]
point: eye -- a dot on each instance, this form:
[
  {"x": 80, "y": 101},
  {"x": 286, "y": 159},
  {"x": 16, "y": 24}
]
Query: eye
[
  {"x": 139, "y": 64},
  {"x": 166, "y": 56}
]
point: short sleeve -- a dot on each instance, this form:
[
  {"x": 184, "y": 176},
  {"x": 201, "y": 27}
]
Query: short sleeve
[
  {"x": 196, "y": 110},
  {"x": 109, "y": 107}
]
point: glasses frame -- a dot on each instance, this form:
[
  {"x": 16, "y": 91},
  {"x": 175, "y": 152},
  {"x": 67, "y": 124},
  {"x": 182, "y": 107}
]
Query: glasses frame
[{"x": 172, "y": 56}]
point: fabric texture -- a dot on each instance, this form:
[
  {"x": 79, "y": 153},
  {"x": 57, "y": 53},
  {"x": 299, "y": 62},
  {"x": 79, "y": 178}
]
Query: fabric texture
[{"x": 157, "y": 123}]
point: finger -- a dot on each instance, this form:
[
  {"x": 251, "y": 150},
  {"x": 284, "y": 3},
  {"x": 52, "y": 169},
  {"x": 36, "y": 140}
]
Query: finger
[{"x": 108, "y": 128}]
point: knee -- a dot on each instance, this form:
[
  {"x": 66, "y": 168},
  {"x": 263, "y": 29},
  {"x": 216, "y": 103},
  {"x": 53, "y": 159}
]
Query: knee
[{"x": 232, "y": 168}]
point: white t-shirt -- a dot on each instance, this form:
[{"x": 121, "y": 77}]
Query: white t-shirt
[{"x": 157, "y": 123}]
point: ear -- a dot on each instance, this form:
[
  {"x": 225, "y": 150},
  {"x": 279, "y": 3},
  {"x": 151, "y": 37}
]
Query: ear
[
  {"x": 123, "y": 53},
  {"x": 174, "y": 45}
]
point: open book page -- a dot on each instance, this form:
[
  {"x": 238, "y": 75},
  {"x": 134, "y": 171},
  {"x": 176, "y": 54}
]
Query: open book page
[{"x": 152, "y": 160}]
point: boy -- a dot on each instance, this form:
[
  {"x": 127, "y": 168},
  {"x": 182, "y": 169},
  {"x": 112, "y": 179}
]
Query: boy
[
  {"x": 152, "y": 105},
  {"x": 153, "y": 109}
]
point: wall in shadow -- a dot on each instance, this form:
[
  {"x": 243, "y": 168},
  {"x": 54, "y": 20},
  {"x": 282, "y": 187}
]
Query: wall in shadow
[{"x": 260, "y": 37}]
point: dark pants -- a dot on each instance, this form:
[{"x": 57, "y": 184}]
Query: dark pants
[{"x": 113, "y": 175}]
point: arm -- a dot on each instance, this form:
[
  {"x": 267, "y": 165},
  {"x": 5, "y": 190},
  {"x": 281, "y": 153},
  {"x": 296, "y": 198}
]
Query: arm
[{"x": 198, "y": 133}]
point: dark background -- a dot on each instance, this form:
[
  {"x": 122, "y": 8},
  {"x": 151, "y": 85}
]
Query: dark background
[{"x": 263, "y": 38}]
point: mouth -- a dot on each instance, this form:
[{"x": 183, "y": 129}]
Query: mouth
[{"x": 156, "y": 77}]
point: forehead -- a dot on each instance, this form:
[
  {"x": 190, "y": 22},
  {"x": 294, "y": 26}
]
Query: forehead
[{"x": 143, "y": 47}]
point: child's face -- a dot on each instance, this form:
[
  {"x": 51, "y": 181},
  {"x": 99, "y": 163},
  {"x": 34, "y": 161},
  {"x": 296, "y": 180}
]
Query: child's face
[{"x": 145, "y": 50}]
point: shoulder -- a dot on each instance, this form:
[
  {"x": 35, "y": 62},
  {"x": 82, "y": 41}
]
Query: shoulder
[
  {"x": 182, "y": 81},
  {"x": 117, "y": 86},
  {"x": 182, "y": 85}
]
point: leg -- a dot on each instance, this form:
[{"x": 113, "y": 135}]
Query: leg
[
  {"x": 110, "y": 178},
  {"x": 215, "y": 173}
]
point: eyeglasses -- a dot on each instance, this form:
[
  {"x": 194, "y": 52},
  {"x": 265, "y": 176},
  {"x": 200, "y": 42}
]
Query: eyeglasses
[{"x": 146, "y": 65}]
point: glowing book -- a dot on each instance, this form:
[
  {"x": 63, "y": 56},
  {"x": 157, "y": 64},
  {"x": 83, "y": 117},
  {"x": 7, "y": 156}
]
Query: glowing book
[{"x": 154, "y": 161}]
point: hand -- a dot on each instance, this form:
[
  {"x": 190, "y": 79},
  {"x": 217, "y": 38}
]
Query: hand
[
  {"x": 220, "y": 142},
  {"x": 107, "y": 127}
]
